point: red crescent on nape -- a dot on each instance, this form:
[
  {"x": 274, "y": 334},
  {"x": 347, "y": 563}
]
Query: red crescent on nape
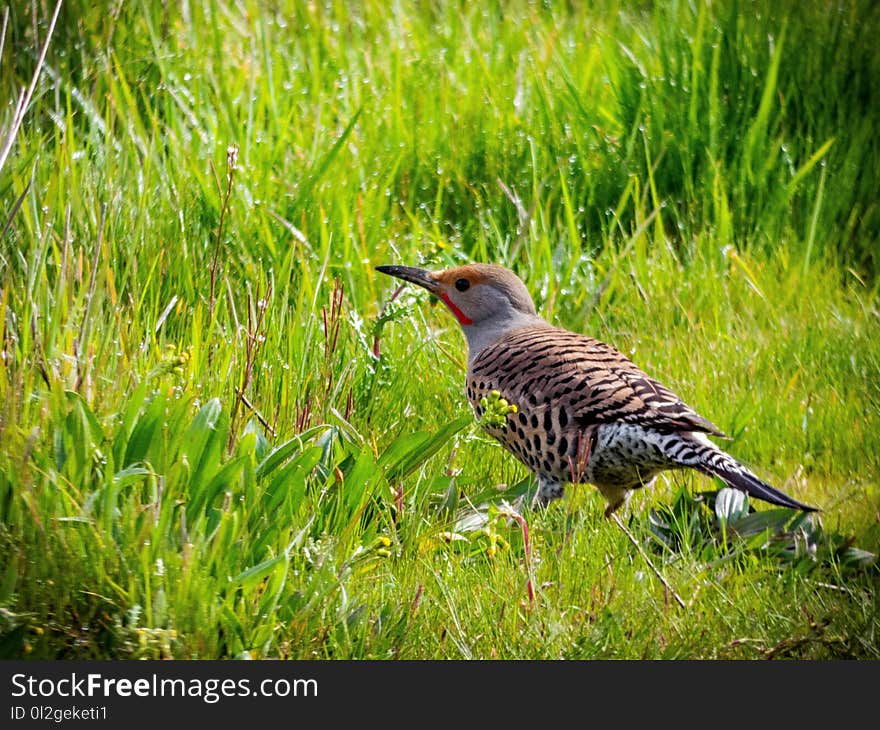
[{"x": 459, "y": 315}]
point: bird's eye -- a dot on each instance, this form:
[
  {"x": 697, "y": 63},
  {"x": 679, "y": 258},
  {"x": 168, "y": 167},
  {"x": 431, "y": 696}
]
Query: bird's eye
[{"x": 462, "y": 285}]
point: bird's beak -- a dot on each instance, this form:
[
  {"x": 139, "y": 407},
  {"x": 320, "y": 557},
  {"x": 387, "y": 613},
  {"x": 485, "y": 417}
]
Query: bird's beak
[
  {"x": 412, "y": 274},
  {"x": 425, "y": 278}
]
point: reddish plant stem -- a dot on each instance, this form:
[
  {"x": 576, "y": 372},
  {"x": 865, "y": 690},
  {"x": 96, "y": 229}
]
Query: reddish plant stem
[{"x": 527, "y": 550}]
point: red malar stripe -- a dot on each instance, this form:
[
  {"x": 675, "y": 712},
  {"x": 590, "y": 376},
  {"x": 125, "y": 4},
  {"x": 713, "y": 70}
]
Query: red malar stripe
[{"x": 459, "y": 315}]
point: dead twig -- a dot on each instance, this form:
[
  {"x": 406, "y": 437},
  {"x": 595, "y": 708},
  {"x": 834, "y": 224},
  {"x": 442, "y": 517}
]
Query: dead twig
[
  {"x": 259, "y": 416},
  {"x": 254, "y": 340},
  {"x": 651, "y": 565}
]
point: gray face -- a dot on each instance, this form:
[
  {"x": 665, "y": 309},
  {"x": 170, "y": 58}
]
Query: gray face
[
  {"x": 481, "y": 296},
  {"x": 489, "y": 301}
]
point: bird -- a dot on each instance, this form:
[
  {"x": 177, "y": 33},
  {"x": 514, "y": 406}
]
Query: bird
[{"x": 583, "y": 413}]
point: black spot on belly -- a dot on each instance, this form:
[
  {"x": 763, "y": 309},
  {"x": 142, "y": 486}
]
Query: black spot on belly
[
  {"x": 547, "y": 465},
  {"x": 563, "y": 446},
  {"x": 522, "y": 418},
  {"x": 563, "y": 418},
  {"x": 548, "y": 420},
  {"x": 551, "y": 438},
  {"x": 534, "y": 420},
  {"x": 536, "y": 440}
]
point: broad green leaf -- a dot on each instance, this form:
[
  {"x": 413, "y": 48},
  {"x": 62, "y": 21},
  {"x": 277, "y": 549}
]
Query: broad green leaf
[
  {"x": 284, "y": 451},
  {"x": 359, "y": 482},
  {"x": 254, "y": 574},
  {"x": 75, "y": 439},
  {"x": 131, "y": 475},
  {"x": 857, "y": 557},
  {"x": 205, "y": 440},
  {"x": 410, "y": 451},
  {"x": 774, "y": 520},
  {"x": 146, "y": 429},
  {"x": 290, "y": 480},
  {"x": 400, "y": 450},
  {"x": 90, "y": 424},
  {"x": 129, "y": 413},
  {"x": 262, "y": 445},
  {"x": 202, "y": 498},
  {"x": 232, "y": 624}
]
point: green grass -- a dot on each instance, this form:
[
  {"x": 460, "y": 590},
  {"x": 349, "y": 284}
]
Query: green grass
[{"x": 201, "y": 454}]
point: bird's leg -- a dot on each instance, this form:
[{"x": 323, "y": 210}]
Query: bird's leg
[
  {"x": 548, "y": 490},
  {"x": 616, "y": 498},
  {"x": 612, "y": 508},
  {"x": 619, "y": 496}
]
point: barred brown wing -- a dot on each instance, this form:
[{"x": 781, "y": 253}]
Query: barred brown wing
[{"x": 590, "y": 381}]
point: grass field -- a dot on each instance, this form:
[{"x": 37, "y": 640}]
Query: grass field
[{"x": 223, "y": 434}]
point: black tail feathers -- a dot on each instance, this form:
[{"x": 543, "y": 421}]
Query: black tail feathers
[{"x": 737, "y": 476}]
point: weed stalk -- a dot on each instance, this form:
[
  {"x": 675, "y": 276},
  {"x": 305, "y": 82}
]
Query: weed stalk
[{"x": 231, "y": 165}]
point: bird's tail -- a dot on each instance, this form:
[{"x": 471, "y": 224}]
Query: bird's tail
[
  {"x": 709, "y": 459},
  {"x": 722, "y": 465}
]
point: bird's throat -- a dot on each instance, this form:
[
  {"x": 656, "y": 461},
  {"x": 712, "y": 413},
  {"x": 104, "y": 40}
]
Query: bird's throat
[{"x": 459, "y": 315}]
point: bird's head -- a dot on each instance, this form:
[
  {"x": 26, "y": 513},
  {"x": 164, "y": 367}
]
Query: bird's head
[{"x": 477, "y": 294}]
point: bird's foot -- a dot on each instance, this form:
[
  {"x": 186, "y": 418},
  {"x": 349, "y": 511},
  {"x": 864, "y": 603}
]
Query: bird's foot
[{"x": 611, "y": 509}]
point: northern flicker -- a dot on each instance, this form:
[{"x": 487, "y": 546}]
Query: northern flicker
[{"x": 585, "y": 412}]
